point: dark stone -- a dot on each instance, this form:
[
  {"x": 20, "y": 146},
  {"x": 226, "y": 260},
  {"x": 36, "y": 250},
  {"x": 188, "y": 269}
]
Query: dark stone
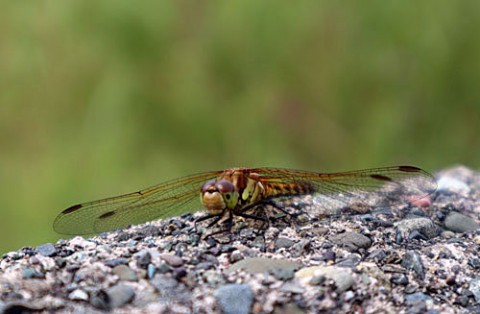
[
  {"x": 144, "y": 258},
  {"x": 120, "y": 295},
  {"x": 235, "y": 299},
  {"x": 352, "y": 241},
  {"x": 412, "y": 261},
  {"x": 47, "y": 249},
  {"x": 399, "y": 279},
  {"x": 284, "y": 243},
  {"x": 457, "y": 222},
  {"x": 116, "y": 261}
]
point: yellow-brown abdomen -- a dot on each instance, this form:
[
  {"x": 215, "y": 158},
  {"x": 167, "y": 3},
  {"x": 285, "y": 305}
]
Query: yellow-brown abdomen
[{"x": 287, "y": 189}]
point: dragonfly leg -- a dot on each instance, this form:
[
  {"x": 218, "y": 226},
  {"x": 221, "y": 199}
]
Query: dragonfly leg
[
  {"x": 215, "y": 218},
  {"x": 263, "y": 219}
]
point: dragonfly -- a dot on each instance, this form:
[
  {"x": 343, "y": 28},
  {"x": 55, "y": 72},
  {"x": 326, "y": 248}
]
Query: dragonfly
[{"x": 235, "y": 191}]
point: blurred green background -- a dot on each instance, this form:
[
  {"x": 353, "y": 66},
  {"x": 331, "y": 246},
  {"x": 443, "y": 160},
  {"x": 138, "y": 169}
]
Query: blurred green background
[{"x": 99, "y": 98}]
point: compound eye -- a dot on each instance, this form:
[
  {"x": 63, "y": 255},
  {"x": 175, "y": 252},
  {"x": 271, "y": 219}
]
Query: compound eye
[
  {"x": 225, "y": 186},
  {"x": 208, "y": 185}
]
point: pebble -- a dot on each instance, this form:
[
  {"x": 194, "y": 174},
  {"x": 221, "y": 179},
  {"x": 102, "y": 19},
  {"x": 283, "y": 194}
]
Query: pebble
[
  {"x": 234, "y": 299},
  {"x": 151, "y": 271},
  {"x": 125, "y": 273},
  {"x": 256, "y": 265},
  {"x": 352, "y": 241},
  {"x": 172, "y": 260},
  {"x": 342, "y": 277},
  {"x": 282, "y": 242},
  {"x": 412, "y": 261},
  {"x": 116, "y": 261},
  {"x": 474, "y": 262},
  {"x": 78, "y": 295},
  {"x": 474, "y": 287},
  {"x": 460, "y": 223},
  {"x": 164, "y": 283},
  {"x": 47, "y": 249},
  {"x": 120, "y": 295},
  {"x": 292, "y": 287},
  {"x": 143, "y": 259},
  {"x": 417, "y": 302},
  {"x": 399, "y": 279},
  {"x": 423, "y": 225},
  {"x": 452, "y": 185},
  {"x": 283, "y": 273},
  {"x": 29, "y": 272}
]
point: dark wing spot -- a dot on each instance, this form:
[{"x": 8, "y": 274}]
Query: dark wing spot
[
  {"x": 409, "y": 169},
  {"x": 380, "y": 177},
  {"x": 107, "y": 214},
  {"x": 71, "y": 209}
]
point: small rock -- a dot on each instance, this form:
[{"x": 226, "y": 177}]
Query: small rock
[
  {"x": 125, "y": 273},
  {"x": 143, "y": 259},
  {"x": 282, "y": 273},
  {"x": 292, "y": 287},
  {"x": 78, "y": 295},
  {"x": 28, "y": 273},
  {"x": 452, "y": 185},
  {"x": 301, "y": 247},
  {"x": 164, "y": 284},
  {"x": 399, "y": 279},
  {"x": 47, "y": 249},
  {"x": 283, "y": 243},
  {"x": 172, "y": 260},
  {"x": 151, "y": 271},
  {"x": 234, "y": 299},
  {"x": 116, "y": 261},
  {"x": 256, "y": 265},
  {"x": 474, "y": 287},
  {"x": 412, "y": 261},
  {"x": 425, "y": 226},
  {"x": 352, "y": 241},
  {"x": 342, "y": 277},
  {"x": 474, "y": 262},
  {"x": 120, "y": 295},
  {"x": 460, "y": 223},
  {"x": 417, "y": 302},
  {"x": 235, "y": 257}
]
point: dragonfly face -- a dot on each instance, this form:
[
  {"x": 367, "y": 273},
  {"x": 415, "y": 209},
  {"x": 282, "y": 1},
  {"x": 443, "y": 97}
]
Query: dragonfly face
[
  {"x": 218, "y": 196},
  {"x": 234, "y": 190}
]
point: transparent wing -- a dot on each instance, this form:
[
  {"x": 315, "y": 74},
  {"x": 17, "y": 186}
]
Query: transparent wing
[
  {"x": 171, "y": 198},
  {"x": 397, "y": 184}
]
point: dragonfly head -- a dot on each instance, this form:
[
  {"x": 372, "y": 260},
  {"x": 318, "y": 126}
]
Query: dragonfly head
[{"x": 217, "y": 196}]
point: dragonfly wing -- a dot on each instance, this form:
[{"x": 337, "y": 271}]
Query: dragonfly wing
[
  {"x": 167, "y": 199},
  {"x": 398, "y": 184}
]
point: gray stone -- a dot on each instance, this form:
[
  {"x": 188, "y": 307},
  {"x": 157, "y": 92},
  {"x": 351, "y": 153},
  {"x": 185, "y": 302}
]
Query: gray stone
[
  {"x": 351, "y": 240},
  {"x": 453, "y": 185},
  {"x": 172, "y": 260},
  {"x": 120, "y": 295},
  {"x": 284, "y": 243},
  {"x": 474, "y": 287},
  {"x": 47, "y": 249},
  {"x": 423, "y": 225},
  {"x": 412, "y": 261},
  {"x": 342, "y": 277},
  {"x": 460, "y": 223},
  {"x": 256, "y": 265},
  {"x": 78, "y": 295},
  {"x": 125, "y": 273},
  {"x": 234, "y": 299}
]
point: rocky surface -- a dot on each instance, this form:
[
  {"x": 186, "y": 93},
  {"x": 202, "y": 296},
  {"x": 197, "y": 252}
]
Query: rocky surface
[{"x": 425, "y": 260}]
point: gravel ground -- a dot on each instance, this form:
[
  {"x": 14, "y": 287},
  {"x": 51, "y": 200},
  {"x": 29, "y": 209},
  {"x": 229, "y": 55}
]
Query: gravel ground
[{"x": 410, "y": 259}]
